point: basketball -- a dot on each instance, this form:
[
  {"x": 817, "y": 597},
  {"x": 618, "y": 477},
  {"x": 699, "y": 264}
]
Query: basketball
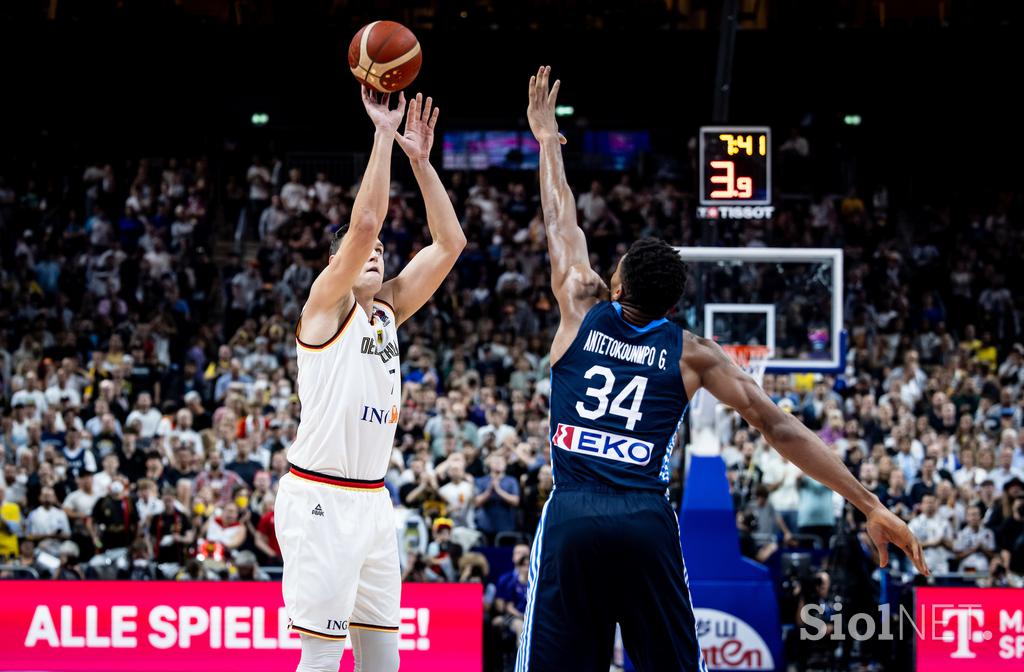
[{"x": 385, "y": 56}]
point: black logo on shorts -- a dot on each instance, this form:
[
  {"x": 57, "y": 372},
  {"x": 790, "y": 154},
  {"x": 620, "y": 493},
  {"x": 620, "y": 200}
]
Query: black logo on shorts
[
  {"x": 318, "y": 511},
  {"x": 336, "y": 625}
]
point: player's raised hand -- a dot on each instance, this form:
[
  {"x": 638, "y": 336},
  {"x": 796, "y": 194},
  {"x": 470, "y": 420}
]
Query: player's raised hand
[
  {"x": 419, "y": 128},
  {"x": 541, "y": 109},
  {"x": 885, "y": 527},
  {"x": 379, "y": 111}
]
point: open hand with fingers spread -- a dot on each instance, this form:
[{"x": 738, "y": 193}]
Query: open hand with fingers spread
[
  {"x": 419, "y": 128},
  {"x": 885, "y": 527},
  {"x": 541, "y": 110},
  {"x": 379, "y": 111}
]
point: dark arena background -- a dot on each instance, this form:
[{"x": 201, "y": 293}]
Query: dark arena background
[{"x": 844, "y": 180}]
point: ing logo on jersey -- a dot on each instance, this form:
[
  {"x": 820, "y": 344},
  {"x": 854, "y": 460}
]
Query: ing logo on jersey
[
  {"x": 602, "y": 444},
  {"x": 380, "y": 416}
]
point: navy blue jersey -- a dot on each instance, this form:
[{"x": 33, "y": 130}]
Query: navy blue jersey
[{"x": 617, "y": 398}]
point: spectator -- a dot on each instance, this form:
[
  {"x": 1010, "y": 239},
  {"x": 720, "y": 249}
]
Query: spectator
[
  {"x": 763, "y": 518},
  {"x": 1010, "y": 538},
  {"x": 458, "y": 493},
  {"x": 273, "y": 218},
  {"x": 294, "y": 193},
  {"x": 115, "y": 519},
  {"x": 935, "y": 535},
  {"x": 170, "y": 531},
  {"x": 76, "y": 454},
  {"x": 442, "y": 557},
  {"x": 226, "y": 530},
  {"x": 184, "y": 431},
  {"x": 246, "y": 568},
  {"x": 181, "y": 465},
  {"x": 906, "y": 459},
  {"x": 1001, "y": 506},
  {"x": 47, "y": 521},
  {"x": 869, "y": 479},
  {"x": 592, "y": 205},
  {"x": 200, "y": 418},
  {"x": 234, "y": 374},
  {"x": 244, "y": 465},
  {"x": 148, "y": 502},
  {"x": 111, "y": 472},
  {"x": 106, "y": 434},
  {"x": 780, "y": 477},
  {"x": 510, "y": 597},
  {"x": 155, "y": 470},
  {"x": 969, "y": 473},
  {"x": 975, "y": 545},
  {"x": 760, "y": 548},
  {"x": 139, "y": 567},
  {"x": 223, "y": 482},
  {"x": 1005, "y": 471},
  {"x": 131, "y": 459},
  {"x": 926, "y": 484},
  {"x": 266, "y": 535},
  {"x": 148, "y": 418},
  {"x": 536, "y": 494},
  {"x": 10, "y": 526},
  {"x": 14, "y": 484},
  {"x": 421, "y": 484},
  {"x": 79, "y": 506},
  {"x": 815, "y": 513},
  {"x": 69, "y": 569},
  {"x": 258, "y": 178},
  {"x": 497, "y": 499},
  {"x": 497, "y": 427}
]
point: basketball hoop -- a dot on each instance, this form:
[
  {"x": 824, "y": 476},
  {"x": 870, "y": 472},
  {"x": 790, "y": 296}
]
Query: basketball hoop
[{"x": 751, "y": 358}]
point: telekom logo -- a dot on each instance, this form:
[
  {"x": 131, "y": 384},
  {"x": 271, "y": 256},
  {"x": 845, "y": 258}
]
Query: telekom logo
[{"x": 964, "y": 623}]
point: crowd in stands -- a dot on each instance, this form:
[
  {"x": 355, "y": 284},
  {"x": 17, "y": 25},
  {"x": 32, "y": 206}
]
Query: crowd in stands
[{"x": 147, "y": 374}]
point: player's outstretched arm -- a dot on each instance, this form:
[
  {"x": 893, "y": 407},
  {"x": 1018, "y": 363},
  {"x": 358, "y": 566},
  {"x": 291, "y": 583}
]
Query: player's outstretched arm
[
  {"x": 427, "y": 270},
  {"x": 575, "y": 284},
  {"x": 331, "y": 292},
  {"x": 706, "y": 365}
]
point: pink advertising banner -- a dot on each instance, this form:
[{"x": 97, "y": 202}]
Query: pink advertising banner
[
  {"x": 969, "y": 629},
  {"x": 166, "y": 626}
]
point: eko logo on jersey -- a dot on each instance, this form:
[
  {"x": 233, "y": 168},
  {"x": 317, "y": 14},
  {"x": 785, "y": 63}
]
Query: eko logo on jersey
[{"x": 602, "y": 444}]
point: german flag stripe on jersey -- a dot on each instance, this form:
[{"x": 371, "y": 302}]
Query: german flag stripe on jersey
[
  {"x": 369, "y": 626},
  {"x": 347, "y": 483},
  {"x": 314, "y": 633},
  {"x": 341, "y": 330}
]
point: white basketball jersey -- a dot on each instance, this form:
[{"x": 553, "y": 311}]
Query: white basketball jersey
[{"x": 350, "y": 389}]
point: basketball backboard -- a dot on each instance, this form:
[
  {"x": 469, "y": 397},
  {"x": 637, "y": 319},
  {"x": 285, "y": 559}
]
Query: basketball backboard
[{"x": 788, "y": 299}]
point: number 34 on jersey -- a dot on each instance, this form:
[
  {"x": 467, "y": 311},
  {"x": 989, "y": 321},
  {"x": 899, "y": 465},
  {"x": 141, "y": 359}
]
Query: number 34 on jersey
[{"x": 625, "y": 404}]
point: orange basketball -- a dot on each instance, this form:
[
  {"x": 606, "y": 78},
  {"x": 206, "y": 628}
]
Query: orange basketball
[{"x": 385, "y": 56}]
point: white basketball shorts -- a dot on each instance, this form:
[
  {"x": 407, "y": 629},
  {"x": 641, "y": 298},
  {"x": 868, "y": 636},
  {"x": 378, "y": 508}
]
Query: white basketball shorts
[{"x": 340, "y": 551}]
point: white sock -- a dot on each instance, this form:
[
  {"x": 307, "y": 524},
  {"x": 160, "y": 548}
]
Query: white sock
[
  {"x": 375, "y": 651},
  {"x": 320, "y": 655}
]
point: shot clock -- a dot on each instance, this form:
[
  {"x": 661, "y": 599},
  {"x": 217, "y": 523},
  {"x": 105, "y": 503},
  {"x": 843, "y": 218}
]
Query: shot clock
[{"x": 735, "y": 172}]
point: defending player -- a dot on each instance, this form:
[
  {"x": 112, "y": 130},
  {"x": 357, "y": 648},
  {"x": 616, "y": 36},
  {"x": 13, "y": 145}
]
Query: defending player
[
  {"x": 607, "y": 548},
  {"x": 334, "y": 518}
]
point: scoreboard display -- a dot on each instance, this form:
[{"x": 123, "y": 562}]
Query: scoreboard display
[{"x": 735, "y": 165}]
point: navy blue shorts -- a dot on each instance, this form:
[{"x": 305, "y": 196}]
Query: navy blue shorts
[{"x": 601, "y": 557}]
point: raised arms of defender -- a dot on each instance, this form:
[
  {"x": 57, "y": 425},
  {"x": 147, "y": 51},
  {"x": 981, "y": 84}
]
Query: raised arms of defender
[
  {"x": 706, "y": 365},
  {"x": 427, "y": 270},
  {"x": 577, "y": 287},
  {"x": 331, "y": 294}
]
